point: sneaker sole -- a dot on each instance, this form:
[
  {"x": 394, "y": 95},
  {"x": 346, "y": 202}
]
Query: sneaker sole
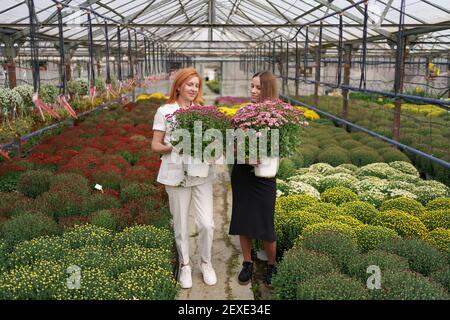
[{"x": 244, "y": 283}]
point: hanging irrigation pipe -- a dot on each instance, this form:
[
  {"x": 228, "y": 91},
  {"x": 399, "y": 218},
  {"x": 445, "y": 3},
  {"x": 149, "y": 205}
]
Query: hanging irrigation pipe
[
  {"x": 444, "y": 104},
  {"x": 370, "y": 132}
]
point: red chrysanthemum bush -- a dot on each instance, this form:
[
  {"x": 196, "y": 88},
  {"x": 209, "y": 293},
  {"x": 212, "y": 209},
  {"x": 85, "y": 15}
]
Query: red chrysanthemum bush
[
  {"x": 139, "y": 174},
  {"x": 8, "y": 167},
  {"x": 100, "y": 201},
  {"x": 123, "y": 217},
  {"x": 116, "y": 160},
  {"x": 70, "y": 182},
  {"x": 14, "y": 203},
  {"x": 66, "y": 155},
  {"x": 46, "y": 148},
  {"x": 62, "y": 203}
]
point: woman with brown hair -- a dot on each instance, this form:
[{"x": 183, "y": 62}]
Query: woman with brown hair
[
  {"x": 254, "y": 197},
  {"x": 182, "y": 189}
]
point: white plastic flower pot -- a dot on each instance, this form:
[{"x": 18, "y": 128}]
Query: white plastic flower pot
[
  {"x": 196, "y": 168},
  {"x": 268, "y": 167}
]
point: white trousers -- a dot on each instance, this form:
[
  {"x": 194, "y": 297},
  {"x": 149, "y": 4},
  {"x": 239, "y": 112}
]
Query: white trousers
[{"x": 180, "y": 199}]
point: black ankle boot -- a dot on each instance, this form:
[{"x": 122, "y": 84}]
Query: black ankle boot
[
  {"x": 271, "y": 270},
  {"x": 246, "y": 273}
]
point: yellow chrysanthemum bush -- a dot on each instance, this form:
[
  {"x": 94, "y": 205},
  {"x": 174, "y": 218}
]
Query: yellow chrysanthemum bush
[
  {"x": 438, "y": 204},
  {"x": 324, "y": 210},
  {"x": 294, "y": 202},
  {"x": 339, "y": 195},
  {"x": 405, "y": 204},
  {"x": 440, "y": 238},
  {"x": 293, "y": 225},
  {"x": 436, "y": 219},
  {"x": 370, "y": 237},
  {"x": 346, "y": 219},
  {"x": 405, "y": 224},
  {"x": 361, "y": 210}
]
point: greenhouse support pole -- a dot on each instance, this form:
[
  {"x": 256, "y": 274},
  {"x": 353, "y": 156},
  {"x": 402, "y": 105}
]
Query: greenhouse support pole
[
  {"x": 318, "y": 56},
  {"x": 399, "y": 72},
  {"x": 283, "y": 89},
  {"x": 297, "y": 65},
  {"x": 11, "y": 54},
  {"x": 273, "y": 57},
  {"x": 448, "y": 75},
  {"x": 108, "y": 68},
  {"x": 287, "y": 67},
  {"x": 119, "y": 55},
  {"x": 347, "y": 68}
]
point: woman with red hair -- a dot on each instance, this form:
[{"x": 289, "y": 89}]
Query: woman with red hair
[{"x": 182, "y": 189}]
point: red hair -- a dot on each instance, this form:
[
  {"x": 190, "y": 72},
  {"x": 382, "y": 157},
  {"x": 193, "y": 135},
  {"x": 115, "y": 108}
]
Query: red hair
[{"x": 183, "y": 76}]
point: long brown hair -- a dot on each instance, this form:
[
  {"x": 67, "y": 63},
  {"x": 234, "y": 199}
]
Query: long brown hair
[
  {"x": 269, "y": 87},
  {"x": 183, "y": 76}
]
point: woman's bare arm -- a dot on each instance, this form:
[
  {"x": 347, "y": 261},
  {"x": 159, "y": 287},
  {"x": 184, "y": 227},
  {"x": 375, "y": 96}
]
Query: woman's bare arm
[{"x": 158, "y": 143}]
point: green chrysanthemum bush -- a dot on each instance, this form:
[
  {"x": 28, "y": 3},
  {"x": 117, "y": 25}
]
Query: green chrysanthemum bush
[
  {"x": 34, "y": 182},
  {"x": 134, "y": 256},
  {"x": 440, "y": 238},
  {"x": 442, "y": 277},
  {"x": 324, "y": 210},
  {"x": 104, "y": 219},
  {"x": 299, "y": 265},
  {"x": 286, "y": 169},
  {"x": 147, "y": 283},
  {"x": 436, "y": 219},
  {"x": 403, "y": 204},
  {"x": 107, "y": 179},
  {"x": 346, "y": 219},
  {"x": 71, "y": 182},
  {"x": 344, "y": 180},
  {"x": 333, "y": 286},
  {"x": 422, "y": 256},
  {"x": 334, "y": 240},
  {"x": 135, "y": 190},
  {"x": 405, "y": 224},
  {"x": 3, "y": 255},
  {"x": 60, "y": 204},
  {"x": 339, "y": 195},
  {"x": 405, "y": 167},
  {"x": 294, "y": 202},
  {"x": 438, "y": 204},
  {"x": 370, "y": 237},
  {"x": 27, "y": 226},
  {"x": 14, "y": 203},
  {"x": 145, "y": 235},
  {"x": 363, "y": 156},
  {"x": 358, "y": 265},
  {"x": 349, "y": 144},
  {"x": 293, "y": 226},
  {"x": 333, "y": 156},
  {"x": 88, "y": 234},
  {"x": 405, "y": 285},
  {"x": 322, "y": 168},
  {"x": 363, "y": 211},
  {"x": 390, "y": 155},
  {"x": 98, "y": 202}
]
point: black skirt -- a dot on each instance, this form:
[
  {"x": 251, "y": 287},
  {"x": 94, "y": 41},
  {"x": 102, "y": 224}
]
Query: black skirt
[{"x": 253, "y": 204}]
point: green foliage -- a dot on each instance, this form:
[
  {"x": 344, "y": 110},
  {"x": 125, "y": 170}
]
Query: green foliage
[
  {"x": 363, "y": 156},
  {"x": 387, "y": 262},
  {"x": 337, "y": 243},
  {"x": 34, "y": 182},
  {"x": 442, "y": 277},
  {"x": 331, "y": 287},
  {"x": 422, "y": 256},
  {"x": 146, "y": 236},
  {"x": 48, "y": 93},
  {"x": 299, "y": 265},
  {"x": 286, "y": 169},
  {"x": 104, "y": 219},
  {"x": 438, "y": 204},
  {"x": 404, "y": 285},
  {"x": 292, "y": 225},
  {"x": 27, "y": 226},
  {"x": 97, "y": 202},
  {"x": 334, "y": 156},
  {"x": 14, "y": 203}
]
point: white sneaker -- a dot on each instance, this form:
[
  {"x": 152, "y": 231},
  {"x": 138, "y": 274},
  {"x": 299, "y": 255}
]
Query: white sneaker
[
  {"x": 209, "y": 275},
  {"x": 185, "y": 278}
]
